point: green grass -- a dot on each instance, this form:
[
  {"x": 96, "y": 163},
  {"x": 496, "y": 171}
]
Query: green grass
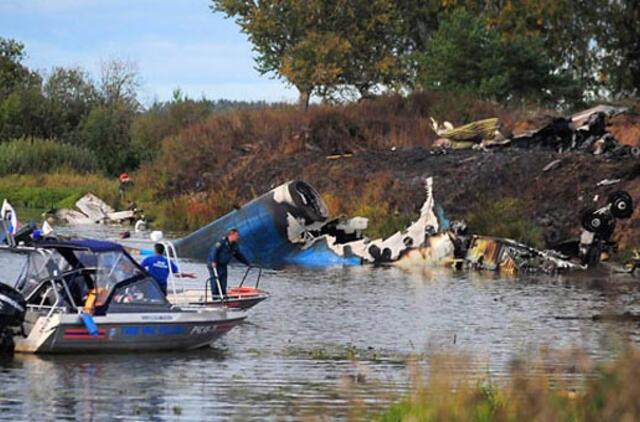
[
  {"x": 56, "y": 190},
  {"x": 506, "y": 217},
  {"x": 28, "y": 156}
]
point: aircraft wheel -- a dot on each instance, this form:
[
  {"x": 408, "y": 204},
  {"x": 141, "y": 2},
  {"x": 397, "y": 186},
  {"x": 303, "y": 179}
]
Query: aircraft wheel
[{"x": 621, "y": 204}]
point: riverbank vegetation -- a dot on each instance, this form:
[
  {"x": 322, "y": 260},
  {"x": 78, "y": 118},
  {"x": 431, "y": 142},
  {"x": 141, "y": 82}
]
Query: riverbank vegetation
[
  {"x": 55, "y": 190},
  {"x": 39, "y": 156},
  {"x": 531, "y": 391}
]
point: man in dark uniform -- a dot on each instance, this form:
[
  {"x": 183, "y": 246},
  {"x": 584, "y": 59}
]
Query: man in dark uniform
[{"x": 219, "y": 257}]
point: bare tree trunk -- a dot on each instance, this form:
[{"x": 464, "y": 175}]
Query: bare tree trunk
[{"x": 303, "y": 100}]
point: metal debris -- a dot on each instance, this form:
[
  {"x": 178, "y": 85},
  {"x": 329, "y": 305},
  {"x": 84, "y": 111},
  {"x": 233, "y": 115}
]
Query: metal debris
[
  {"x": 290, "y": 225},
  {"x": 552, "y": 165},
  {"x": 93, "y": 210},
  {"x": 585, "y": 131},
  {"x": 598, "y": 226},
  {"x": 480, "y": 134},
  {"x": 608, "y": 182}
]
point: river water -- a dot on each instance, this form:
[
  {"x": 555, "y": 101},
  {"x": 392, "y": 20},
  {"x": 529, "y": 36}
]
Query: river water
[{"x": 327, "y": 340}]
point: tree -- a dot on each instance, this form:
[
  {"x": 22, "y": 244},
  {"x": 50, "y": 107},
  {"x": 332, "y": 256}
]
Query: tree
[
  {"x": 70, "y": 96},
  {"x": 13, "y": 73},
  {"x": 466, "y": 55},
  {"x": 314, "y": 64},
  {"x": 106, "y": 133},
  {"x": 321, "y": 46},
  {"x": 564, "y": 27},
  {"x": 374, "y": 30},
  {"x": 119, "y": 83},
  {"x": 22, "y": 112},
  {"x": 618, "y": 40},
  {"x": 161, "y": 120}
]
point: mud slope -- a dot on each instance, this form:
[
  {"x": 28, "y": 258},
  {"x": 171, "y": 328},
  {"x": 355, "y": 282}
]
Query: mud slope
[{"x": 552, "y": 199}]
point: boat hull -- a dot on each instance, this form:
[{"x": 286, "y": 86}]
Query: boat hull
[
  {"x": 65, "y": 333},
  {"x": 236, "y": 298}
]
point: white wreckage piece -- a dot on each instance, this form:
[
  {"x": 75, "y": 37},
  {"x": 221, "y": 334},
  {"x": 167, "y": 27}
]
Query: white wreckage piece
[
  {"x": 580, "y": 120},
  {"x": 371, "y": 251},
  {"x": 92, "y": 210},
  {"x": 425, "y": 243}
]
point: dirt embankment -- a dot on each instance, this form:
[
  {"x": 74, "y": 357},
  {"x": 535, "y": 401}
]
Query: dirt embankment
[
  {"x": 245, "y": 154},
  {"x": 463, "y": 180}
]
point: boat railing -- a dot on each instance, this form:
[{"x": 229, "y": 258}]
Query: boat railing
[
  {"x": 244, "y": 278},
  {"x": 180, "y": 292},
  {"x": 172, "y": 256},
  {"x": 58, "y": 304}
]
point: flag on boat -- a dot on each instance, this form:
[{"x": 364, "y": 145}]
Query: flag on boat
[
  {"x": 8, "y": 214},
  {"x": 47, "y": 229}
]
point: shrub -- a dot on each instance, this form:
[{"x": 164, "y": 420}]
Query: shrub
[
  {"x": 505, "y": 218},
  {"x": 23, "y": 156},
  {"x": 607, "y": 392},
  {"x": 190, "y": 212},
  {"x": 226, "y": 147}
]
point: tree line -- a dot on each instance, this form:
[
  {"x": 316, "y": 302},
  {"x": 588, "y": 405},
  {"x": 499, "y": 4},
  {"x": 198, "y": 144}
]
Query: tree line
[
  {"x": 65, "y": 112},
  {"x": 559, "y": 52}
]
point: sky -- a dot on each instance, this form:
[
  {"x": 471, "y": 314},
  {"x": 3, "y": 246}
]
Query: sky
[{"x": 174, "y": 43}]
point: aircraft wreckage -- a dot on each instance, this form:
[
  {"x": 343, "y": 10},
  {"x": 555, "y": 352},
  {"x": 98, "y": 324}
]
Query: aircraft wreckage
[{"x": 290, "y": 226}]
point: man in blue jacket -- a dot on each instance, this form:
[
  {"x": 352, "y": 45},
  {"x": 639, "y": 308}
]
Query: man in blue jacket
[
  {"x": 219, "y": 257},
  {"x": 158, "y": 267}
]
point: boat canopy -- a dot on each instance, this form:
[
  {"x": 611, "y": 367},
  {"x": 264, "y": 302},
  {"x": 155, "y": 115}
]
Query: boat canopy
[
  {"x": 87, "y": 265},
  {"x": 87, "y": 244}
]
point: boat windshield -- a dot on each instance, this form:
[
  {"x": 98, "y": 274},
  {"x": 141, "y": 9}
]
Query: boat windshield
[
  {"x": 111, "y": 268},
  {"x": 38, "y": 265}
]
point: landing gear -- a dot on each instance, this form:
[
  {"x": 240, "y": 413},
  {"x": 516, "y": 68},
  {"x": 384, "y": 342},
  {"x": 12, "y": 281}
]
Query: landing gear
[{"x": 621, "y": 204}]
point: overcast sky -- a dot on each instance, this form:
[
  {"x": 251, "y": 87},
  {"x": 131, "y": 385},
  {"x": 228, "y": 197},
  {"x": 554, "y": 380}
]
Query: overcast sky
[{"x": 175, "y": 43}]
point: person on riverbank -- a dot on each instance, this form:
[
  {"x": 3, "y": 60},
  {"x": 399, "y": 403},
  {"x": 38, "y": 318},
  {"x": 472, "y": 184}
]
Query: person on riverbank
[
  {"x": 125, "y": 183},
  {"x": 219, "y": 257},
  {"x": 158, "y": 267}
]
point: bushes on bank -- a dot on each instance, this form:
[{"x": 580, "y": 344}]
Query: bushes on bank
[
  {"x": 29, "y": 156},
  {"x": 505, "y": 217},
  {"x": 607, "y": 392},
  {"x": 228, "y": 146}
]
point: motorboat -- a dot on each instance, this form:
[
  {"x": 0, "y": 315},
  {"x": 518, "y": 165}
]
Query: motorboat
[
  {"x": 238, "y": 297},
  {"x": 241, "y": 296},
  {"x": 84, "y": 295}
]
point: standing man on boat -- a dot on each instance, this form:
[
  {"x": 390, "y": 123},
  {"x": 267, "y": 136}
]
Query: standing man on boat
[
  {"x": 219, "y": 257},
  {"x": 158, "y": 267}
]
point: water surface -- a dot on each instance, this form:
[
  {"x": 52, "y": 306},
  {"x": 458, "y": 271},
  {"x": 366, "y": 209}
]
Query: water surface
[{"x": 325, "y": 340}]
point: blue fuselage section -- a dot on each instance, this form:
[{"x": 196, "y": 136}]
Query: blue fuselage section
[{"x": 262, "y": 224}]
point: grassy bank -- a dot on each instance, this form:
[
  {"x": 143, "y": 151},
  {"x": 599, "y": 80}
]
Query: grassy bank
[
  {"x": 183, "y": 212},
  {"x": 62, "y": 189},
  {"x": 56, "y": 190},
  {"x": 532, "y": 392}
]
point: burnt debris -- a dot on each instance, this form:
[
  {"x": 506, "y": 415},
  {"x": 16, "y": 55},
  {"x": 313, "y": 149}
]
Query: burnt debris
[{"x": 585, "y": 131}]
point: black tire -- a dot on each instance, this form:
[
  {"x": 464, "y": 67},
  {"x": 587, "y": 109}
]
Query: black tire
[
  {"x": 621, "y": 204},
  {"x": 586, "y": 220},
  {"x": 597, "y": 222}
]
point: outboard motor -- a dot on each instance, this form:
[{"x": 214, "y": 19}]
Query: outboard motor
[
  {"x": 12, "y": 312},
  {"x": 270, "y": 226}
]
